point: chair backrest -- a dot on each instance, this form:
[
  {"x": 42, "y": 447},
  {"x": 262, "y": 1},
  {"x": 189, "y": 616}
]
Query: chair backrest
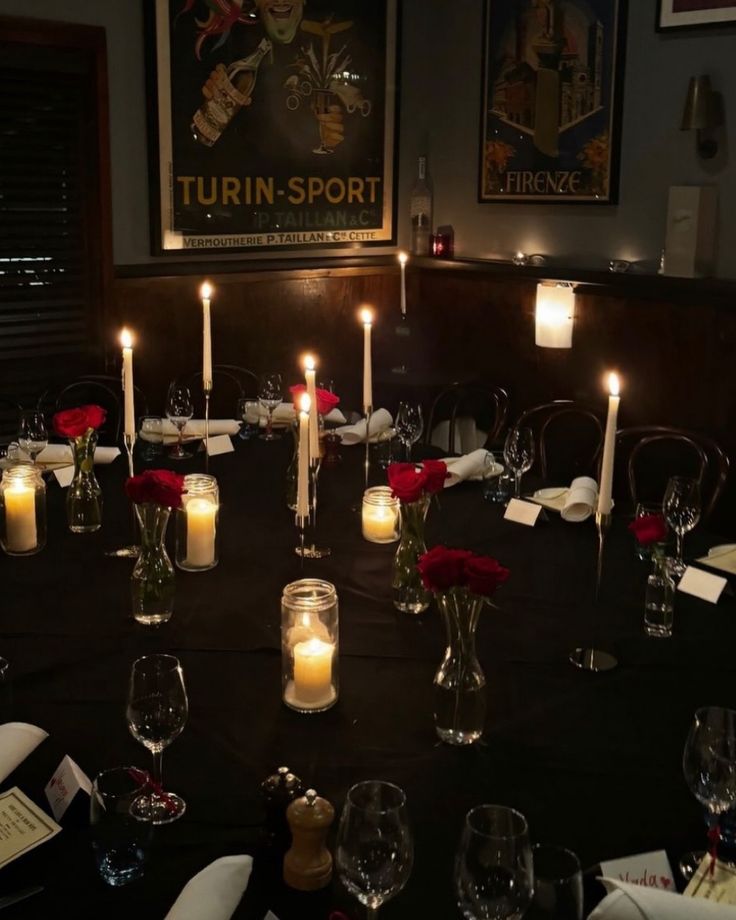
[
  {"x": 141, "y": 401},
  {"x": 230, "y": 384},
  {"x": 671, "y": 452},
  {"x": 467, "y": 415},
  {"x": 84, "y": 392},
  {"x": 568, "y": 437}
]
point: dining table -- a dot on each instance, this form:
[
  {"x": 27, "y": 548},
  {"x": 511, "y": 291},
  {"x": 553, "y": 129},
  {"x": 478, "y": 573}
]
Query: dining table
[{"x": 593, "y": 760}]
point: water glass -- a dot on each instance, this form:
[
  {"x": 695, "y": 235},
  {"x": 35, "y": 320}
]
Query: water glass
[
  {"x": 518, "y": 452},
  {"x": 270, "y": 394},
  {"x": 32, "y": 434},
  {"x": 681, "y": 511},
  {"x": 151, "y": 438},
  {"x": 494, "y": 871},
  {"x": 558, "y": 885},
  {"x": 659, "y": 601},
  {"x": 119, "y": 840},
  {"x": 248, "y": 412},
  {"x": 387, "y": 448},
  {"x": 179, "y": 410},
  {"x": 409, "y": 425}
]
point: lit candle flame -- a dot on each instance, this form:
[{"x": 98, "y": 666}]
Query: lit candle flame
[
  {"x": 126, "y": 339},
  {"x": 305, "y": 402},
  {"x": 403, "y": 258},
  {"x": 205, "y": 292},
  {"x": 613, "y": 384},
  {"x": 366, "y": 316},
  {"x": 309, "y": 362}
]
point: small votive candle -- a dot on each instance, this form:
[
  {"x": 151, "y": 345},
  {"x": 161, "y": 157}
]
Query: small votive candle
[
  {"x": 309, "y": 645},
  {"x": 197, "y": 520},
  {"x": 380, "y": 515},
  {"x": 23, "y": 511}
]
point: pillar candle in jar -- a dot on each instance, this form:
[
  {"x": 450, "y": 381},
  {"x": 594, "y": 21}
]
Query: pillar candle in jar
[
  {"x": 201, "y": 527},
  {"x": 403, "y": 259},
  {"x": 206, "y": 295},
  {"x": 302, "y": 490},
  {"x": 605, "y": 501},
  {"x": 126, "y": 340},
  {"x": 313, "y": 671},
  {"x": 366, "y": 317},
  {"x": 310, "y": 378},
  {"x": 20, "y": 518},
  {"x": 380, "y": 523}
]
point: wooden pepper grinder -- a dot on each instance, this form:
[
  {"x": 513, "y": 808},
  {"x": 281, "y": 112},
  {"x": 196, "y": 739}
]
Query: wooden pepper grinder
[{"x": 308, "y": 862}]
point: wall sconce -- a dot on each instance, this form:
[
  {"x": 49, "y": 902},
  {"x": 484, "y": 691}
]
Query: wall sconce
[
  {"x": 554, "y": 315},
  {"x": 703, "y": 113}
]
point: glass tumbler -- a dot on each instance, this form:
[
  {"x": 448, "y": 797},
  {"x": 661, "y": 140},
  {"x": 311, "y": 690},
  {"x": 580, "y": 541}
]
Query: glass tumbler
[{"x": 119, "y": 840}]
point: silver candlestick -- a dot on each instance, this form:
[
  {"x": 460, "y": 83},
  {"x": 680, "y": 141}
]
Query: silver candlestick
[
  {"x": 593, "y": 659},
  {"x": 313, "y": 551},
  {"x": 368, "y": 414},
  {"x": 131, "y": 551},
  {"x": 207, "y": 393}
]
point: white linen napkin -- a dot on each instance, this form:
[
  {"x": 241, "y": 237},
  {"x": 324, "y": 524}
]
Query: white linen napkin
[
  {"x": 194, "y": 428},
  {"x": 215, "y": 892},
  {"x": 581, "y": 500},
  {"x": 355, "y": 434},
  {"x": 17, "y": 741},
  {"x": 62, "y": 453},
  {"x": 470, "y": 466},
  {"x": 285, "y": 414},
  {"x": 636, "y": 902}
]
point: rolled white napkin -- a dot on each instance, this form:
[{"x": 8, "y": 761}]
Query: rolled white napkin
[
  {"x": 17, "y": 741},
  {"x": 471, "y": 466},
  {"x": 62, "y": 453},
  {"x": 355, "y": 434},
  {"x": 194, "y": 428},
  {"x": 636, "y": 902},
  {"x": 215, "y": 892},
  {"x": 285, "y": 414},
  {"x": 581, "y": 501}
]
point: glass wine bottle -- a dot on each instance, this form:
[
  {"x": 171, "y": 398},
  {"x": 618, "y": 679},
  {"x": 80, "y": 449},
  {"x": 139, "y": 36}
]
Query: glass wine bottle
[{"x": 421, "y": 211}]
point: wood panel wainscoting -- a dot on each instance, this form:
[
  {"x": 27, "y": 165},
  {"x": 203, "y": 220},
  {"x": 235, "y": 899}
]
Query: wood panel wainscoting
[{"x": 673, "y": 342}]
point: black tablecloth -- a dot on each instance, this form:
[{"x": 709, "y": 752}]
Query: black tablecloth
[{"x": 593, "y": 761}]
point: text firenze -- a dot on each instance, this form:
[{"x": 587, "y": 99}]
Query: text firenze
[
  {"x": 262, "y": 190},
  {"x": 526, "y": 182}
]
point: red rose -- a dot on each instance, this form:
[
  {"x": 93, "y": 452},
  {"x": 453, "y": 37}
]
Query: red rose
[
  {"x": 649, "y": 528},
  {"x": 435, "y": 472},
  {"x": 326, "y": 401},
  {"x": 410, "y": 482},
  {"x": 157, "y": 487},
  {"x": 442, "y": 568},
  {"x": 73, "y": 423},
  {"x": 484, "y": 574}
]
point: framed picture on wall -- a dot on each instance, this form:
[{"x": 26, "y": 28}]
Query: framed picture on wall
[
  {"x": 689, "y": 14},
  {"x": 551, "y": 101},
  {"x": 272, "y": 124}
]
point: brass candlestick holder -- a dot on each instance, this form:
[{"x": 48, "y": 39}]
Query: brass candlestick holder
[{"x": 594, "y": 659}]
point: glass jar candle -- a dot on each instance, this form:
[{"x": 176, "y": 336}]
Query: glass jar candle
[
  {"x": 196, "y": 524},
  {"x": 380, "y": 515},
  {"x": 22, "y": 510},
  {"x": 309, "y": 645}
]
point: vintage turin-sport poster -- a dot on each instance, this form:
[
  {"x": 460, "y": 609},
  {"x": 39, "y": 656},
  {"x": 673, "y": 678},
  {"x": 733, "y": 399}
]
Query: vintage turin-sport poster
[
  {"x": 274, "y": 123},
  {"x": 551, "y": 100}
]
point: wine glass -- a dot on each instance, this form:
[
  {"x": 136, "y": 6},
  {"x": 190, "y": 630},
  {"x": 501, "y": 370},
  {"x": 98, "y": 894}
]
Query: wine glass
[
  {"x": 375, "y": 851},
  {"x": 270, "y": 392},
  {"x": 558, "y": 884},
  {"x": 518, "y": 452},
  {"x": 681, "y": 507},
  {"x": 32, "y": 434},
  {"x": 409, "y": 425},
  {"x": 157, "y": 712},
  {"x": 179, "y": 409},
  {"x": 494, "y": 875}
]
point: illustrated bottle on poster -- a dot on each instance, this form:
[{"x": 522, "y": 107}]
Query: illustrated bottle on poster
[
  {"x": 421, "y": 211},
  {"x": 226, "y": 91}
]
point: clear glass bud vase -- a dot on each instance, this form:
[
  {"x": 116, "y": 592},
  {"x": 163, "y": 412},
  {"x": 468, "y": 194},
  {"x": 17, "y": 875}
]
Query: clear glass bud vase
[
  {"x": 410, "y": 595},
  {"x": 459, "y": 684},
  {"x": 152, "y": 581},
  {"x": 84, "y": 496}
]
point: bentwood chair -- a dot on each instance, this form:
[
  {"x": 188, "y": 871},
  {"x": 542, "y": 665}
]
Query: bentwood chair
[
  {"x": 653, "y": 453},
  {"x": 465, "y": 416},
  {"x": 115, "y": 383},
  {"x": 568, "y": 436},
  {"x": 230, "y": 384},
  {"x": 83, "y": 392}
]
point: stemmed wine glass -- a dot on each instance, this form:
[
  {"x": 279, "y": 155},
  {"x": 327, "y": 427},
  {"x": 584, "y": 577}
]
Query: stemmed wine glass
[
  {"x": 681, "y": 507},
  {"x": 157, "y": 712},
  {"x": 409, "y": 425},
  {"x": 375, "y": 850},
  {"x": 179, "y": 409},
  {"x": 32, "y": 434},
  {"x": 518, "y": 452},
  {"x": 270, "y": 392},
  {"x": 494, "y": 874},
  {"x": 709, "y": 766}
]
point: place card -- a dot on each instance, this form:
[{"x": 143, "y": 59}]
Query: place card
[
  {"x": 650, "y": 870},
  {"x": 718, "y": 886},
  {"x": 67, "y": 781},
  {"x": 522, "y": 512},
  {"x": 220, "y": 444},
  {"x": 64, "y": 476},
  {"x": 702, "y": 584},
  {"x": 23, "y": 826}
]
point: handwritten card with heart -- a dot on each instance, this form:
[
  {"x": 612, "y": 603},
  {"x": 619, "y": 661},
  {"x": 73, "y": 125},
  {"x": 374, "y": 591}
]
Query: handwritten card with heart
[{"x": 651, "y": 870}]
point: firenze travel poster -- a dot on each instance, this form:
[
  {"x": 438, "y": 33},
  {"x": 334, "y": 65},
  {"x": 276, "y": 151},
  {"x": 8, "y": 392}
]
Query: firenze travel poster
[
  {"x": 551, "y": 101},
  {"x": 273, "y": 124}
]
